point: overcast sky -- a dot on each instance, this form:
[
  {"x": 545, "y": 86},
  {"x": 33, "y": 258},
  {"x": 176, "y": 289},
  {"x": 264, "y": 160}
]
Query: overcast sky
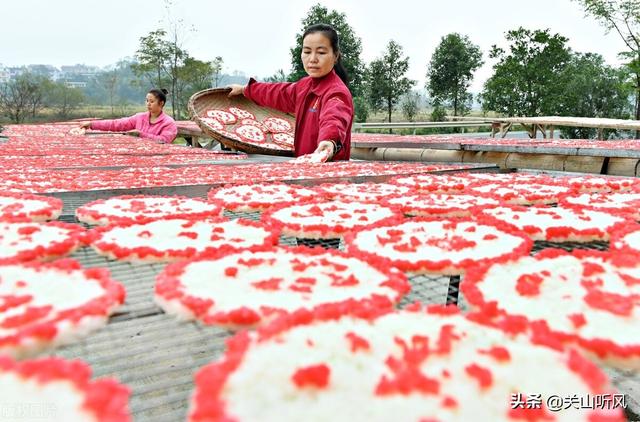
[{"x": 255, "y": 36}]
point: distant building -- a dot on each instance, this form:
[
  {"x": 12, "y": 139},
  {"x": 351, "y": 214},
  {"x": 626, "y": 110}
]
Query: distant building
[
  {"x": 42, "y": 70},
  {"x": 75, "y": 84},
  {"x": 80, "y": 70},
  {"x": 4, "y": 74}
]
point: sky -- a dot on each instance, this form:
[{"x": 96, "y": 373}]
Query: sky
[{"x": 255, "y": 37}]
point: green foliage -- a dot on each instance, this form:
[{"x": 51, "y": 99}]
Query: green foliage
[
  {"x": 410, "y": 105},
  {"x": 438, "y": 114},
  {"x": 64, "y": 99},
  {"x": 279, "y": 76},
  {"x": 193, "y": 76},
  {"x": 350, "y": 46},
  {"x": 451, "y": 70},
  {"x": 622, "y": 17},
  {"x": 386, "y": 79},
  {"x": 528, "y": 80},
  {"x": 21, "y": 97},
  {"x": 152, "y": 56},
  {"x": 361, "y": 110},
  {"x": 593, "y": 89}
]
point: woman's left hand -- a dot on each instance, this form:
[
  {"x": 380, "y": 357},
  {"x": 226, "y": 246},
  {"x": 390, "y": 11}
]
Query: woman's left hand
[{"x": 326, "y": 147}]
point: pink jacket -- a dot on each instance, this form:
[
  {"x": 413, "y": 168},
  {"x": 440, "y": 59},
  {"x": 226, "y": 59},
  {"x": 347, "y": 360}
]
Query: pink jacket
[{"x": 163, "y": 130}]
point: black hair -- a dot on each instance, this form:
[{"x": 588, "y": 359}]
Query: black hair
[
  {"x": 160, "y": 94},
  {"x": 331, "y": 34}
]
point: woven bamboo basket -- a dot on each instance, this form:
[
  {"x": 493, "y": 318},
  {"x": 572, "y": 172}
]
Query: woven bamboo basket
[{"x": 217, "y": 98}]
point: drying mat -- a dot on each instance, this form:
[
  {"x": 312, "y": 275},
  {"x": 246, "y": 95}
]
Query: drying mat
[
  {"x": 156, "y": 355},
  {"x": 217, "y": 98}
]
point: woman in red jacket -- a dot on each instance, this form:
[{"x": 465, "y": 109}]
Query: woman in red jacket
[{"x": 321, "y": 102}]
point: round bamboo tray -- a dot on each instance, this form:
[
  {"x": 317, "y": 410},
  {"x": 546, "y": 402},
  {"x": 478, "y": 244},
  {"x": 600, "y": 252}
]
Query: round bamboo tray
[{"x": 217, "y": 98}]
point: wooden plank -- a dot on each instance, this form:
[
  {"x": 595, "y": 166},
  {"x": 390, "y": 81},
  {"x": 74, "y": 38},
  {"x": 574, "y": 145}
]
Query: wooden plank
[
  {"x": 607, "y": 152},
  {"x": 497, "y": 158},
  {"x": 622, "y": 166},
  {"x": 536, "y": 161},
  {"x": 580, "y": 164},
  {"x": 406, "y": 144}
]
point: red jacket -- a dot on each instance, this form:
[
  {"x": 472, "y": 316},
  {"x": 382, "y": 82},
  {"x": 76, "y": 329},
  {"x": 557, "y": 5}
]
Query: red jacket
[{"x": 323, "y": 108}]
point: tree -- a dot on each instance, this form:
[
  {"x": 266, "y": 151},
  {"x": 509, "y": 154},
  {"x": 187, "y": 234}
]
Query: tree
[
  {"x": 217, "y": 70},
  {"x": 622, "y": 16},
  {"x": 109, "y": 81},
  {"x": 386, "y": 79},
  {"x": 593, "y": 89},
  {"x": 64, "y": 99},
  {"x": 279, "y": 76},
  {"x": 151, "y": 57},
  {"x": 410, "y": 105},
  {"x": 193, "y": 76},
  {"x": 18, "y": 97},
  {"x": 350, "y": 46},
  {"x": 528, "y": 80},
  {"x": 451, "y": 70}
]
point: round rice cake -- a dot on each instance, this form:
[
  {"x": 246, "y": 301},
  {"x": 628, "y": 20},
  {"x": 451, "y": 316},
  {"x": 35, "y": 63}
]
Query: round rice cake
[
  {"x": 626, "y": 238},
  {"x": 259, "y": 197},
  {"x": 585, "y": 298},
  {"x": 284, "y": 139},
  {"x": 619, "y": 202},
  {"x": 277, "y": 125},
  {"x": 328, "y": 220},
  {"x": 27, "y": 241},
  {"x": 364, "y": 192},
  {"x": 46, "y": 305},
  {"x": 420, "y": 365},
  {"x": 432, "y": 183},
  {"x": 213, "y": 122},
  {"x": 172, "y": 239},
  {"x": 254, "y": 123},
  {"x": 442, "y": 205},
  {"x": 595, "y": 184},
  {"x": 54, "y": 389},
  {"x": 230, "y": 135},
  {"x": 28, "y": 206},
  {"x": 224, "y": 116},
  {"x": 440, "y": 246},
  {"x": 241, "y": 113},
  {"x": 247, "y": 288},
  {"x": 250, "y": 133},
  {"x": 128, "y": 208},
  {"x": 558, "y": 224},
  {"x": 523, "y": 193}
]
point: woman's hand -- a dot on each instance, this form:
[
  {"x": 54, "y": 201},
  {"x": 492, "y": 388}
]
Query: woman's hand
[
  {"x": 236, "y": 90},
  {"x": 326, "y": 148},
  {"x": 80, "y": 130}
]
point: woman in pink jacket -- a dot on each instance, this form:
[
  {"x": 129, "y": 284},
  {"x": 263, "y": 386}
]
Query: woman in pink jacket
[{"x": 152, "y": 124}]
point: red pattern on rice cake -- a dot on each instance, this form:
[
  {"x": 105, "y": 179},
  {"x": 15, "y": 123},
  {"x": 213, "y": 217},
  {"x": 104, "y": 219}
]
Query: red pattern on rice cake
[
  {"x": 283, "y": 139},
  {"x": 60, "y": 390},
  {"x": 626, "y": 238},
  {"x": 409, "y": 366},
  {"x": 250, "y": 133},
  {"x": 327, "y": 220},
  {"x": 522, "y": 193},
  {"x": 584, "y": 298},
  {"x": 241, "y": 113},
  {"x": 277, "y": 125},
  {"x": 365, "y": 192},
  {"x": 224, "y": 116},
  {"x": 28, "y": 206},
  {"x": 442, "y": 205},
  {"x": 172, "y": 239},
  {"x": 247, "y": 288},
  {"x": 26, "y": 241},
  {"x": 213, "y": 122},
  {"x": 130, "y": 208},
  {"x": 259, "y": 197},
  {"x": 440, "y": 246},
  {"x": 618, "y": 202},
  {"x": 559, "y": 224},
  {"x": 47, "y": 305}
]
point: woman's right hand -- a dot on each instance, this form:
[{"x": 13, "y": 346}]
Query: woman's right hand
[{"x": 236, "y": 90}]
